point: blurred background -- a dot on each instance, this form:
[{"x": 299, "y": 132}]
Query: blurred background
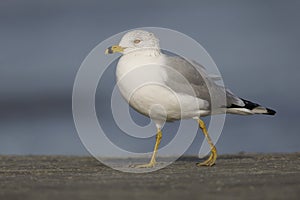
[{"x": 254, "y": 43}]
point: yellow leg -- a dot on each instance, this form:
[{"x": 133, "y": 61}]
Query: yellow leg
[
  {"x": 213, "y": 155},
  {"x": 153, "y": 160}
]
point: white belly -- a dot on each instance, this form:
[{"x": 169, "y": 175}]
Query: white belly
[{"x": 143, "y": 88}]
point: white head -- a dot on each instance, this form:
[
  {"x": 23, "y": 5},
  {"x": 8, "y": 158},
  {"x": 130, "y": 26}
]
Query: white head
[{"x": 137, "y": 40}]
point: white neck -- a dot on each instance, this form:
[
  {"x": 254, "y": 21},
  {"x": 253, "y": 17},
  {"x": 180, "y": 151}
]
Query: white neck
[{"x": 145, "y": 52}]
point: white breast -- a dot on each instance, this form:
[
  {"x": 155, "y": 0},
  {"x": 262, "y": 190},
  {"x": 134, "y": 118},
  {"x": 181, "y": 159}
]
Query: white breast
[{"x": 141, "y": 82}]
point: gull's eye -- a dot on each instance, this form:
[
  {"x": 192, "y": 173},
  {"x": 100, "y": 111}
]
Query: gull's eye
[{"x": 136, "y": 41}]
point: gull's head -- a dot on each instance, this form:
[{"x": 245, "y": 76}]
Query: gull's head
[{"x": 134, "y": 41}]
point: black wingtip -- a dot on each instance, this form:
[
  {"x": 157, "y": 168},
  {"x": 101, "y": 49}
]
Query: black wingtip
[
  {"x": 252, "y": 106},
  {"x": 270, "y": 112}
]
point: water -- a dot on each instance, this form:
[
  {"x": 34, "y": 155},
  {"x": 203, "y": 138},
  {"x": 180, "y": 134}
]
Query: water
[{"x": 43, "y": 43}]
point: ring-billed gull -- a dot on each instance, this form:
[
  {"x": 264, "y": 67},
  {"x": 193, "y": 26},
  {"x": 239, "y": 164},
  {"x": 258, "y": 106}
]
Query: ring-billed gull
[{"x": 174, "y": 88}]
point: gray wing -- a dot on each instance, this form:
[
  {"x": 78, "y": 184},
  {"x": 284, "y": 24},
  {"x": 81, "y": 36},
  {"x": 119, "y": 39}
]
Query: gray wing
[{"x": 198, "y": 79}]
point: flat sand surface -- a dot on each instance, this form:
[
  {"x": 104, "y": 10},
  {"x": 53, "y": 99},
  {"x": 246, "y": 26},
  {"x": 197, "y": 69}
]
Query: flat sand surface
[{"x": 241, "y": 176}]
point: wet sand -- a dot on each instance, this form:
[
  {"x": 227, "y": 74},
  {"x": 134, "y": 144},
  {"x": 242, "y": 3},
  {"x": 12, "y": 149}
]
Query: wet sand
[{"x": 241, "y": 176}]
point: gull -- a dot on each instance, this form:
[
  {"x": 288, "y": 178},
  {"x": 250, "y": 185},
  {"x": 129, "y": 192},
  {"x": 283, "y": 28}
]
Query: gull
[{"x": 169, "y": 88}]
